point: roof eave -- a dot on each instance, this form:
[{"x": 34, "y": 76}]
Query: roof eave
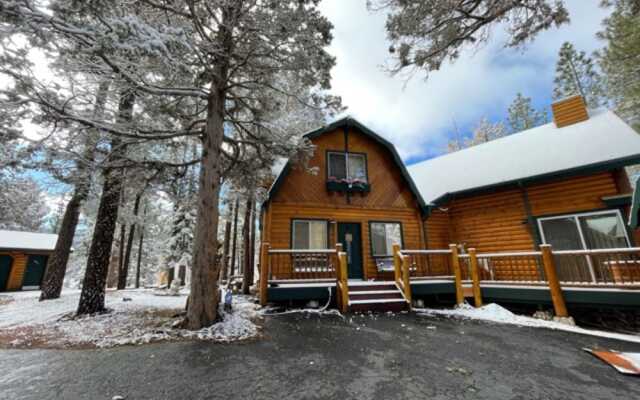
[{"x": 566, "y": 173}]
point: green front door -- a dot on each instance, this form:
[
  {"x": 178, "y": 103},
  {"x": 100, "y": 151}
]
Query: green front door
[
  {"x": 5, "y": 271},
  {"x": 35, "y": 271},
  {"x": 350, "y": 237}
]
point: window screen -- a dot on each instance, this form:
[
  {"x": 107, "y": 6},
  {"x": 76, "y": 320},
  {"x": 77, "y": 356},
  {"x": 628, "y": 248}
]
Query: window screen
[
  {"x": 383, "y": 236},
  {"x": 348, "y": 166},
  {"x": 309, "y": 234}
]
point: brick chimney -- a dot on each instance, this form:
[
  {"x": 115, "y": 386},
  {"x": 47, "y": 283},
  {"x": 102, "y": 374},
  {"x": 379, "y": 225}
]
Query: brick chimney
[{"x": 569, "y": 111}]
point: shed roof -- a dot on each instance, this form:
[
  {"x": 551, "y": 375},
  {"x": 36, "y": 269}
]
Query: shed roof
[
  {"x": 602, "y": 142},
  {"x": 16, "y": 240}
]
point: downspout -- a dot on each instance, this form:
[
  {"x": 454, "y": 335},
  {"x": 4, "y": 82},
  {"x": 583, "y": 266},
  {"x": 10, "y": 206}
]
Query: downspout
[{"x": 531, "y": 223}]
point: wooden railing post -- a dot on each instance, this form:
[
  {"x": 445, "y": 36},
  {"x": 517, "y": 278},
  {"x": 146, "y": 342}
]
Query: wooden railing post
[
  {"x": 406, "y": 280},
  {"x": 264, "y": 272},
  {"x": 554, "y": 284},
  {"x": 475, "y": 277},
  {"x": 396, "y": 262},
  {"x": 338, "y": 276},
  {"x": 455, "y": 264},
  {"x": 344, "y": 294}
]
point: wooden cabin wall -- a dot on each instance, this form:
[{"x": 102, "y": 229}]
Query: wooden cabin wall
[
  {"x": 437, "y": 229},
  {"x": 18, "y": 268},
  {"x": 282, "y": 214},
  {"x": 304, "y": 196},
  {"x": 388, "y": 188},
  {"x": 497, "y": 221}
]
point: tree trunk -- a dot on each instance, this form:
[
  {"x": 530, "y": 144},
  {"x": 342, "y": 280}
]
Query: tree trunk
[
  {"x": 93, "y": 285},
  {"x": 202, "y": 306},
  {"x": 57, "y": 265},
  {"x": 124, "y": 272},
  {"x": 234, "y": 239},
  {"x": 225, "y": 251},
  {"x": 252, "y": 244},
  {"x": 121, "y": 246},
  {"x": 247, "y": 268},
  {"x": 140, "y": 243}
]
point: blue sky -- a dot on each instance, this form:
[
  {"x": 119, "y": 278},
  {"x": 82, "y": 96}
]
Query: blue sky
[{"x": 418, "y": 115}]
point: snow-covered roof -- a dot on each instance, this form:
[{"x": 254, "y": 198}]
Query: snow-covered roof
[
  {"x": 542, "y": 151},
  {"x": 16, "y": 240}
]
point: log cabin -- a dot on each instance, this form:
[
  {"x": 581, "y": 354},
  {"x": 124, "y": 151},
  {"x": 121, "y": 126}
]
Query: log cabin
[
  {"x": 23, "y": 259},
  {"x": 561, "y": 184}
]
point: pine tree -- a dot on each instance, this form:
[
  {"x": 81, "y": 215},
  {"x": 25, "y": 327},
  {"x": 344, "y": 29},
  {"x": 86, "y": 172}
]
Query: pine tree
[
  {"x": 620, "y": 59},
  {"x": 22, "y": 205},
  {"x": 425, "y": 34},
  {"x": 576, "y": 74},
  {"x": 521, "y": 115},
  {"x": 486, "y": 131}
]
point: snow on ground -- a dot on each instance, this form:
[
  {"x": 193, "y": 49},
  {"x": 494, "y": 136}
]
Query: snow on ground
[
  {"x": 136, "y": 317},
  {"x": 495, "y": 313}
]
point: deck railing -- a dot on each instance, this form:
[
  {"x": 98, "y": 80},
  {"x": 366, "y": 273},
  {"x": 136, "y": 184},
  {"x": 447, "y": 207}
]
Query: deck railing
[
  {"x": 429, "y": 264},
  {"x": 618, "y": 268},
  {"x": 599, "y": 267},
  {"x": 291, "y": 264}
]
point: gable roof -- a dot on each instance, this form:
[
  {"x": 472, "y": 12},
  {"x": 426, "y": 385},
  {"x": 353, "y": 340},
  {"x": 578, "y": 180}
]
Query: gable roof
[
  {"x": 600, "y": 143},
  {"x": 16, "y": 240},
  {"x": 350, "y": 122}
]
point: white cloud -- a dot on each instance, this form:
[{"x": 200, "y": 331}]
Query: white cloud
[{"x": 418, "y": 115}]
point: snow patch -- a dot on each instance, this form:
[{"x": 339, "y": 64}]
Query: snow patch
[
  {"x": 135, "y": 317},
  {"x": 495, "y": 313}
]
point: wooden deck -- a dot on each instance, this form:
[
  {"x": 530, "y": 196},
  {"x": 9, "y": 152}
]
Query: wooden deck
[{"x": 597, "y": 278}]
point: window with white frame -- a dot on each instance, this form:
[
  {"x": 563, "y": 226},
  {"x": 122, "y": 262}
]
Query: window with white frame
[
  {"x": 383, "y": 236},
  {"x": 309, "y": 234},
  {"x": 349, "y": 166},
  {"x": 584, "y": 231}
]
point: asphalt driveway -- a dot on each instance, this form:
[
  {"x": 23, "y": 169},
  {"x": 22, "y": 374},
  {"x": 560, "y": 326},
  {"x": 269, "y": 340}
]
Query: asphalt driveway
[{"x": 314, "y": 357}]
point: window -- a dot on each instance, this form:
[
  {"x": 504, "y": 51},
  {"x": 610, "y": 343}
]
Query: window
[
  {"x": 349, "y": 166},
  {"x": 309, "y": 234},
  {"x": 383, "y": 236},
  {"x": 597, "y": 230}
]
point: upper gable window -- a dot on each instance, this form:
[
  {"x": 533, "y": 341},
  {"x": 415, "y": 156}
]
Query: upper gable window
[{"x": 347, "y": 166}]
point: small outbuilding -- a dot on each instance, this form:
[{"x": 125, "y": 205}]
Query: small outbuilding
[{"x": 23, "y": 259}]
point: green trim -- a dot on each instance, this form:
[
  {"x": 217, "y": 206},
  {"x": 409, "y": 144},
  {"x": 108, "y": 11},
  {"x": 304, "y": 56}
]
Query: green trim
[
  {"x": 556, "y": 175},
  {"x": 617, "y": 201},
  {"x": 349, "y": 122},
  {"x": 635, "y": 207}
]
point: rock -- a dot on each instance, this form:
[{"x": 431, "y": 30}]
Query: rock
[
  {"x": 543, "y": 315},
  {"x": 127, "y": 299},
  {"x": 116, "y": 397},
  {"x": 565, "y": 320}
]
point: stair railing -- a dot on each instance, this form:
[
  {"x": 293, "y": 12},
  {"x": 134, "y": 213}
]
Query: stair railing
[{"x": 401, "y": 272}]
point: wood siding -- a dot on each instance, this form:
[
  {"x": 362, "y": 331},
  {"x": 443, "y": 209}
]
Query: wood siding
[
  {"x": 18, "y": 268},
  {"x": 497, "y": 221},
  {"x": 388, "y": 188},
  {"x": 569, "y": 111},
  {"x": 302, "y": 195},
  {"x": 437, "y": 229}
]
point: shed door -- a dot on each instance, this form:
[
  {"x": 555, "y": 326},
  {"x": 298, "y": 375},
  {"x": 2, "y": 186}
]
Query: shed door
[
  {"x": 5, "y": 271},
  {"x": 35, "y": 271}
]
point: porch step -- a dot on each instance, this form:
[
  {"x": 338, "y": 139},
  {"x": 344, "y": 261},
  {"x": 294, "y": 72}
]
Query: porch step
[
  {"x": 375, "y": 296},
  {"x": 372, "y": 287}
]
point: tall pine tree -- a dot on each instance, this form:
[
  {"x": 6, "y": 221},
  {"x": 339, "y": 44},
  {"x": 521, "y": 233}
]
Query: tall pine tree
[
  {"x": 522, "y": 116},
  {"x": 576, "y": 73},
  {"x": 620, "y": 59}
]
